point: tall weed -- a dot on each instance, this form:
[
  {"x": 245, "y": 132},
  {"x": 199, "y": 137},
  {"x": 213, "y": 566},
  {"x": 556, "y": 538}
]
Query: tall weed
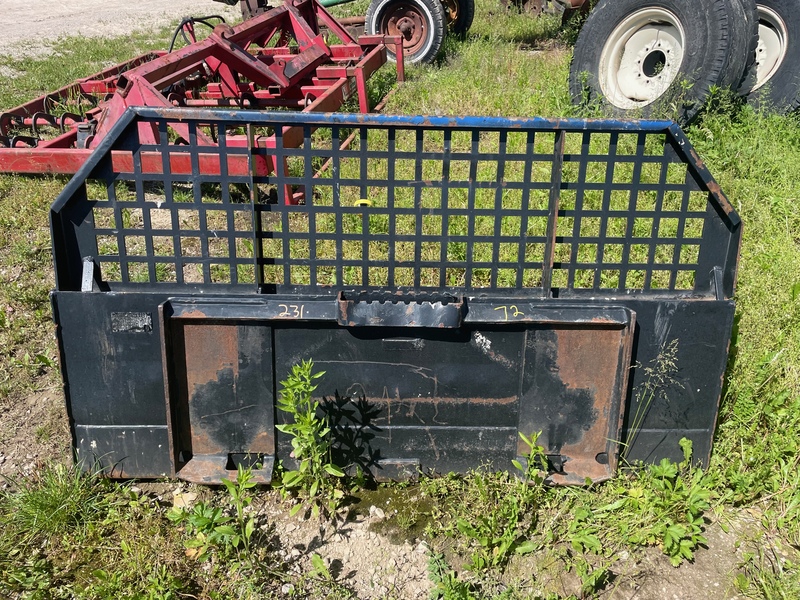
[{"x": 310, "y": 432}]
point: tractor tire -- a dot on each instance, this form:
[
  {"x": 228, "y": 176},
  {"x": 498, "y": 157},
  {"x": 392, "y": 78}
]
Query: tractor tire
[
  {"x": 744, "y": 39},
  {"x": 421, "y": 23},
  {"x": 646, "y": 58},
  {"x": 459, "y": 15},
  {"x": 776, "y": 81}
]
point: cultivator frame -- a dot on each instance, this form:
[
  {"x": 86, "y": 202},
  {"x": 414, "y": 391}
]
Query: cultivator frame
[
  {"x": 276, "y": 60},
  {"x": 460, "y": 281}
]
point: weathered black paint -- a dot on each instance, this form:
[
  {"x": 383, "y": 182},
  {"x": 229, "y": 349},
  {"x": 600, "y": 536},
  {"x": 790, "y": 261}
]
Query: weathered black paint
[
  {"x": 563, "y": 415},
  {"x": 439, "y": 376}
]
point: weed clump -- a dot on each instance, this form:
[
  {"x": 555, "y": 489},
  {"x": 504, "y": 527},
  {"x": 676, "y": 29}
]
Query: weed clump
[
  {"x": 495, "y": 519},
  {"x": 491, "y": 515},
  {"x": 311, "y": 443},
  {"x": 210, "y": 528},
  {"x": 663, "y": 505},
  {"x": 57, "y": 501}
]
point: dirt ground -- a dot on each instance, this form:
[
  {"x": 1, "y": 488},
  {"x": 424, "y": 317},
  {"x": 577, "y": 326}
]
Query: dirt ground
[
  {"x": 376, "y": 565},
  {"x": 27, "y": 24}
]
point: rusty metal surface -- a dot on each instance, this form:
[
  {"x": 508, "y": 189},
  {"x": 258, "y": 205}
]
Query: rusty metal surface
[
  {"x": 220, "y": 394},
  {"x": 586, "y": 369},
  {"x": 214, "y": 468},
  {"x": 406, "y": 21}
]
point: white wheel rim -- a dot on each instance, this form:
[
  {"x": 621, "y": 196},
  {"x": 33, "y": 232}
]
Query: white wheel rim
[
  {"x": 419, "y": 55},
  {"x": 641, "y": 58},
  {"x": 771, "y": 50}
]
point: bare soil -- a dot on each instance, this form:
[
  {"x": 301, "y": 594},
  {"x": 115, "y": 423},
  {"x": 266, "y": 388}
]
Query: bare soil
[
  {"x": 31, "y": 27},
  {"x": 33, "y": 431},
  {"x": 371, "y": 560}
]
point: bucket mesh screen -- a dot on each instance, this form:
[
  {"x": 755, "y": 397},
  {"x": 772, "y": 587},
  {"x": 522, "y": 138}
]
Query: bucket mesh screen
[{"x": 383, "y": 206}]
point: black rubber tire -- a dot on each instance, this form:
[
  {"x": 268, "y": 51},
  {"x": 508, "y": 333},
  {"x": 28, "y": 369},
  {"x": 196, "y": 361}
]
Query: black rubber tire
[
  {"x": 707, "y": 59},
  {"x": 781, "y": 93},
  {"x": 465, "y": 15},
  {"x": 744, "y": 39},
  {"x": 428, "y": 15}
]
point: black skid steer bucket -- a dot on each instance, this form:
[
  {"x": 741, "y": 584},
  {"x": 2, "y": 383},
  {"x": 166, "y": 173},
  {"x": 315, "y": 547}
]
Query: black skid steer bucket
[{"x": 459, "y": 280}]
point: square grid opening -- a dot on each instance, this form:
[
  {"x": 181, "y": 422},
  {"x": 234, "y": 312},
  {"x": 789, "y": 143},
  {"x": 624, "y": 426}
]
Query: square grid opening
[{"x": 391, "y": 207}]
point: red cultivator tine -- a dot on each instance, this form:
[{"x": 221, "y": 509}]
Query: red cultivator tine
[{"x": 276, "y": 60}]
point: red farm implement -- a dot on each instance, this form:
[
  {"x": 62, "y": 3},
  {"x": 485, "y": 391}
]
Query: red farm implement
[{"x": 278, "y": 60}]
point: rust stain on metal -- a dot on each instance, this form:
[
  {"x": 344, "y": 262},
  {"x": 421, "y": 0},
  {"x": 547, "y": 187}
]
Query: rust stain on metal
[
  {"x": 193, "y": 314},
  {"x": 590, "y": 360},
  {"x": 342, "y": 308},
  {"x": 211, "y": 470},
  {"x": 603, "y": 321},
  {"x": 210, "y": 350},
  {"x": 716, "y": 190},
  {"x": 698, "y": 162},
  {"x": 203, "y": 444},
  {"x": 262, "y": 443},
  {"x": 587, "y": 358}
]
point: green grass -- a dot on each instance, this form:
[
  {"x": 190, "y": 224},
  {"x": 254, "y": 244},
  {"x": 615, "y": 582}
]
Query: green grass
[
  {"x": 66, "y": 535},
  {"x": 73, "y": 57},
  {"x": 55, "y": 502},
  {"x": 26, "y": 277},
  {"x": 491, "y": 76},
  {"x": 753, "y": 158}
]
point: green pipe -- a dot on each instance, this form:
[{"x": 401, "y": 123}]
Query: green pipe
[{"x": 329, "y": 3}]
